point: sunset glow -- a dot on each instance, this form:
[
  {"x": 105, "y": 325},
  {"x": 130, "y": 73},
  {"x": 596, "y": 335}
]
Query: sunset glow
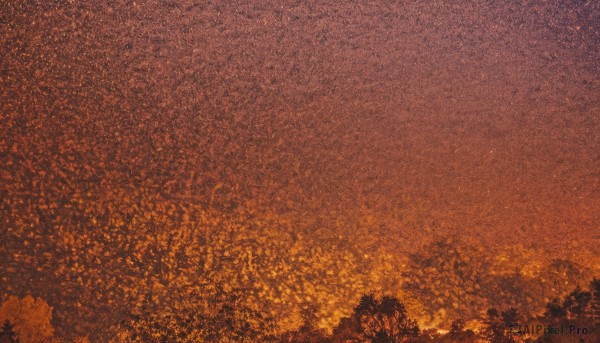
[{"x": 299, "y": 171}]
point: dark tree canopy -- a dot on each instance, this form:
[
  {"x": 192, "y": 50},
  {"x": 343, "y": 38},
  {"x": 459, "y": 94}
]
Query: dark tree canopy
[
  {"x": 384, "y": 320},
  {"x": 7, "y": 333}
]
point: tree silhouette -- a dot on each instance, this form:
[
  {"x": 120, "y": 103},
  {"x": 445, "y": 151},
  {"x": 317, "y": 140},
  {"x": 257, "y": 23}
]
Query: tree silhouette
[
  {"x": 580, "y": 307},
  {"x": 230, "y": 320},
  {"x": 385, "y": 320},
  {"x": 429, "y": 336},
  {"x": 595, "y": 303},
  {"x": 576, "y": 304},
  {"x": 7, "y": 335},
  {"x": 457, "y": 326},
  {"x": 237, "y": 323},
  {"x": 309, "y": 318},
  {"x": 497, "y": 326},
  {"x": 510, "y": 317},
  {"x": 458, "y": 333},
  {"x": 31, "y": 318},
  {"x": 555, "y": 312}
]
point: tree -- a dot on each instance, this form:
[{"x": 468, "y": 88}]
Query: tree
[
  {"x": 235, "y": 322},
  {"x": 510, "y": 317},
  {"x": 159, "y": 327},
  {"x": 384, "y": 320},
  {"x": 595, "y": 303},
  {"x": 31, "y": 318},
  {"x": 555, "y": 312},
  {"x": 498, "y": 324},
  {"x": 579, "y": 306},
  {"x": 458, "y": 333},
  {"x": 493, "y": 328},
  {"x": 457, "y": 326},
  {"x": 7, "y": 335},
  {"x": 428, "y": 336},
  {"x": 230, "y": 321},
  {"x": 576, "y": 304}
]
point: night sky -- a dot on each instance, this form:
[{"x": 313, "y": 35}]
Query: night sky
[{"x": 478, "y": 120}]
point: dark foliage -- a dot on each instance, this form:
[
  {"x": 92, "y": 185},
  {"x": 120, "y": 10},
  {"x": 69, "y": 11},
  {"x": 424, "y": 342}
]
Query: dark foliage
[
  {"x": 8, "y": 335},
  {"x": 229, "y": 321},
  {"x": 384, "y": 320}
]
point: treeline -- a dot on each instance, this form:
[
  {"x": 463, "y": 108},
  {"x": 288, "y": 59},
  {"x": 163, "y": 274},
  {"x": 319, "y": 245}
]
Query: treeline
[
  {"x": 574, "y": 318},
  {"x": 385, "y": 319},
  {"x": 447, "y": 284}
]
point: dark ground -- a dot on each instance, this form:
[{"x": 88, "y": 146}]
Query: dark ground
[{"x": 480, "y": 118}]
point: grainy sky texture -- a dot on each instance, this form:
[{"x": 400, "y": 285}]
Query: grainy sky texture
[{"x": 477, "y": 118}]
